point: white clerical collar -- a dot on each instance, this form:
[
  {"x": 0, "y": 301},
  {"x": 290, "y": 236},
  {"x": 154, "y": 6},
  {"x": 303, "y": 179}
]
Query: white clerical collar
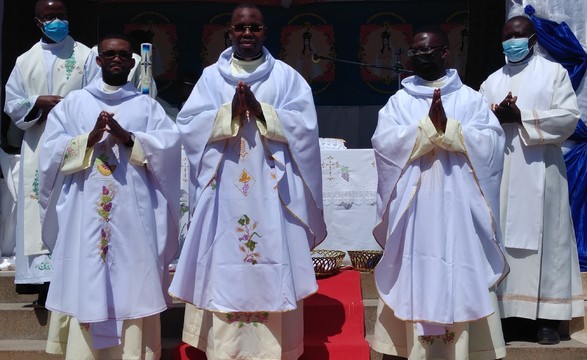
[
  {"x": 109, "y": 88},
  {"x": 52, "y": 46},
  {"x": 245, "y": 66},
  {"x": 435, "y": 83},
  {"x": 522, "y": 62}
]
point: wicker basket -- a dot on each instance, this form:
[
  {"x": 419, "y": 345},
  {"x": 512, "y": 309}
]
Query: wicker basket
[
  {"x": 327, "y": 262},
  {"x": 365, "y": 260}
]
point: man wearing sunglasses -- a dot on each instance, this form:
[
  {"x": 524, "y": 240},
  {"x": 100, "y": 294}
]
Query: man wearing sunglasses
[
  {"x": 250, "y": 132},
  {"x": 439, "y": 152},
  {"x": 41, "y": 78},
  {"x": 110, "y": 163}
]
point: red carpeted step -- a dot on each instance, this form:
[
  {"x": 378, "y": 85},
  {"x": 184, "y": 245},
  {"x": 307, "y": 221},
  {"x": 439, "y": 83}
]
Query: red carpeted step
[
  {"x": 334, "y": 320},
  {"x": 334, "y": 325},
  {"x": 340, "y": 349}
]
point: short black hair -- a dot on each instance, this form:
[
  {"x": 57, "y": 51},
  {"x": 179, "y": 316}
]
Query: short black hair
[
  {"x": 115, "y": 36},
  {"x": 437, "y": 30},
  {"x": 247, "y": 5}
]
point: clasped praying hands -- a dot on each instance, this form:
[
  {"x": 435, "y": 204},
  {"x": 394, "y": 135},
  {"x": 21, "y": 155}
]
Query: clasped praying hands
[
  {"x": 507, "y": 111},
  {"x": 244, "y": 103},
  {"x": 107, "y": 123},
  {"x": 436, "y": 112}
]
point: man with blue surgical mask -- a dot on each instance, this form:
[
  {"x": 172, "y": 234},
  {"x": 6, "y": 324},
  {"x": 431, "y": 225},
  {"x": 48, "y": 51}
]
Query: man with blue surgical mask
[
  {"x": 535, "y": 103},
  {"x": 41, "y": 78}
]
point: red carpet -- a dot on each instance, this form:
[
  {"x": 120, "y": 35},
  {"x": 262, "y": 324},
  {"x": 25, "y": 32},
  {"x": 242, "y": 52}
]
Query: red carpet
[
  {"x": 334, "y": 321},
  {"x": 334, "y": 326}
]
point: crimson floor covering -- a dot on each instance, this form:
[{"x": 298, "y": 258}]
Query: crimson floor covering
[{"x": 334, "y": 325}]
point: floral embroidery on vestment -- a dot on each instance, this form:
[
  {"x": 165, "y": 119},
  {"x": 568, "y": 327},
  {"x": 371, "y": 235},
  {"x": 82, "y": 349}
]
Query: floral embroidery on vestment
[
  {"x": 246, "y": 242},
  {"x": 103, "y": 166},
  {"x": 44, "y": 265},
  {"x": 447, "y": 338},
  {"x": 245, "y": 182},
  {"x": 69, "y": 65},
  {"x": 241, "y": 148},
  {"x": 104, "y": 210},
  {"x": 242, "y": 319},
  {"x": 72, "y": 149},
  {"x": 34, "y": 193},
  {"x": 25, "y": 102}
]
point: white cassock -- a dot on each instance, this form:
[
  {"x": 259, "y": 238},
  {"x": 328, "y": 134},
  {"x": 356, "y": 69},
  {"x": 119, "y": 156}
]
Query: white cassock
[
  {"x": 45, "y": 69},
  {"x": 110, "y": 214},
  {"x": 437, "y": 204},
  {"x": 536, "y": 225},
  {"x": 256, "y": 211}
]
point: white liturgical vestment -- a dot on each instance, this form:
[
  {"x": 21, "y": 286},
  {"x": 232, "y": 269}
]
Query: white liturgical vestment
[
  {"x": 257, "y": 209},
  {"x": 536, "y": 224},
  {"x": 437, "y": 204},
  {"x": 110, "y": 212},
  {"x": 45, "y": 69}
]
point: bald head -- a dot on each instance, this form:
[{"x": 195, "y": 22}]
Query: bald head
[
  {"x": 518, "y": 27},
  {"x": 42, "y": 7}
]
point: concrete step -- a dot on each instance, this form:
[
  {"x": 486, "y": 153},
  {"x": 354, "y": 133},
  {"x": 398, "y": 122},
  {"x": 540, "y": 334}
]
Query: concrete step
[
  {"x": 565, "y": 350},
  {"x": 20, "y": 321},
  {"x": 23, "y": 322},
  {"x": 7, "y": 290},
  {"x": 368, "y": 289},
  {"x": 25, "y": 350},
  {"x": 35, "y": 350}
]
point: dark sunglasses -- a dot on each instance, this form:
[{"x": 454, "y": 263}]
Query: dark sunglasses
[
  {"x": 426, "y": 50},
  {"x": 253, "y": 27},
  {"x": 111, "y": 54}
]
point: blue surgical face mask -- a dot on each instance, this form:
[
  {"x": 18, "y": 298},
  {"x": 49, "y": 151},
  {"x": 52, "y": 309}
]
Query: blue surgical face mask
[
  {"x": 56, "y": 30},
  {"x": 516, "y": 49}
]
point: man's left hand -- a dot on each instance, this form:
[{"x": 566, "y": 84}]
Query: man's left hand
[
  {"x": 507, "y": 111},
  {"x": 114, "y": 128}
]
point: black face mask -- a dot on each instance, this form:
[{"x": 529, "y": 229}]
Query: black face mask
[{"x": 425, "y": 65}]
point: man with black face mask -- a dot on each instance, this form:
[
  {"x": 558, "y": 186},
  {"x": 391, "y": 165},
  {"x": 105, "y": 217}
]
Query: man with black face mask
[
  {"x": 41, "y": 78},
  {"x": 439, "y": 152},
  {"x": 533, "y": 99}
]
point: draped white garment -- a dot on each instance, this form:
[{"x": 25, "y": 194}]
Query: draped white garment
[
  {"x": 535, "y": 215},
  {"x": 437, "y": 204},
  {"x": 45, "y": 69},
  {"x": 110, "y": 214},
  {"x": 285, "y": 198}
]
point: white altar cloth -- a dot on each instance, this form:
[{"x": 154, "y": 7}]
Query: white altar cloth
[{"x": 349, "y": 179}]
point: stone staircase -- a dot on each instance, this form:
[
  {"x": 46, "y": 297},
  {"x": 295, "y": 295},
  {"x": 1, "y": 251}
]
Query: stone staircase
[{"x": 23, "y": 329}]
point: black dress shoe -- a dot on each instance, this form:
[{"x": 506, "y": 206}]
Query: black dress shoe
[
  {"x": 38, "y": 304},
  {"x": 547, "y": 335}
]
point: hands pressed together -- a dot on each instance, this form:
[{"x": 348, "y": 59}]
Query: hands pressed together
[
  {"x": 107, "y": 123},
  {"x": 436, "y": 112},
  {"x": 244, "y": 102},
  {"x": 507, "y": 111}
]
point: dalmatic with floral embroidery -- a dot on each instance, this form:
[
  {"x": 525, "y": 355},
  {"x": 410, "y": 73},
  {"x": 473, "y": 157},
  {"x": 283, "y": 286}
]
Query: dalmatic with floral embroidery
[{"x": 45, "y": 69}]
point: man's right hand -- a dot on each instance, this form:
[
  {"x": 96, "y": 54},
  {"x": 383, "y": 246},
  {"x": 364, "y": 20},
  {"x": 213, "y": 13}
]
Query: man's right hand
[
  {"x": 99, "y": 128},
  {"x": 45, "y": 103}
]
